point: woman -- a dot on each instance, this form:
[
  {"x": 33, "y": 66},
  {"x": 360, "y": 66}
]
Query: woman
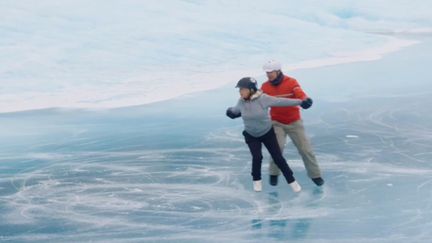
[{"x": 253, "y": 108}]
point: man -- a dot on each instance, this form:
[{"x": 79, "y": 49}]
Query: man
[{"x": 287, "y": 120}]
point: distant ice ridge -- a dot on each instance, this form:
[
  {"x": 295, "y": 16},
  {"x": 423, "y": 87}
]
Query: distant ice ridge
[{"x": 108, "y": 54}]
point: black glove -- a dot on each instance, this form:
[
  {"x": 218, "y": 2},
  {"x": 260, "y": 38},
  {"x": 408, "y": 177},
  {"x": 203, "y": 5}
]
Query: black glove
[
  {"x": 306, "y": 103},
  {"x": 231, "y": 114}
]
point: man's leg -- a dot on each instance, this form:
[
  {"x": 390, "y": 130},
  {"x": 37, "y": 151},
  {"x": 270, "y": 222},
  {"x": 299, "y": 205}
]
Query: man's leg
[
  {"x": 281, "y": 139},
  {"x": 297, "y": 134}
]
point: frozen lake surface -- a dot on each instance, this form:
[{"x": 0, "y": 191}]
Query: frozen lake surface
[
  {"x": 103, "y": 167},
  {"x": 181, "y": 174}
]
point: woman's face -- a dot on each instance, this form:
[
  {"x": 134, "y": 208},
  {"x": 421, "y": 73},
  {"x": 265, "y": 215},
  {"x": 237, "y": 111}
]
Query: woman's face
[{"x": 245, "y": 93}]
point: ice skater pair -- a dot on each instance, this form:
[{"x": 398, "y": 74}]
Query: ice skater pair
[{"x": 253, "y": 107}]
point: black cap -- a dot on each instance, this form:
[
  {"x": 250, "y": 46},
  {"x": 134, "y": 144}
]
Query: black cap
[{"x": 248, "y": 83}]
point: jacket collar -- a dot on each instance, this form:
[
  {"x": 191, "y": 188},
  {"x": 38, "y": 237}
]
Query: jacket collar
[
  {"x": 278, "y": 79},
  {"x": 256, "y": 95}
]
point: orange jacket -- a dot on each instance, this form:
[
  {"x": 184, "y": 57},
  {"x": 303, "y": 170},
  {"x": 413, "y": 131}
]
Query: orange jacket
[{"x": 288, "y": 88}]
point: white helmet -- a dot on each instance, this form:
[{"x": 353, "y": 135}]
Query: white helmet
[{"x": 272, "y": 65}]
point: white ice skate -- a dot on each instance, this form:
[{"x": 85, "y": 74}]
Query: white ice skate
[
  {"x": 257, "y": 185},
  {"x": 295, "y": 186}
]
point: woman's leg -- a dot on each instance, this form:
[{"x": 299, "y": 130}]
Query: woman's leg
[
  {"x": 254, "y": 145},
  {"x": 270, "y": 142},
  {"x": 281, "y": 138}
]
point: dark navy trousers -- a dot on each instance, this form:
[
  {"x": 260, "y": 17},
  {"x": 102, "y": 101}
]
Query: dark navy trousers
[{"x": 270, "y": 142}]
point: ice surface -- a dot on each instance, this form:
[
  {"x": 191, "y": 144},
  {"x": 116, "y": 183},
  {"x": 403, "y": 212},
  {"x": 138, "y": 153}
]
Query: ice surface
[
  {"x": 183, "y": 174},
  {"x": 178, "y": 170}
]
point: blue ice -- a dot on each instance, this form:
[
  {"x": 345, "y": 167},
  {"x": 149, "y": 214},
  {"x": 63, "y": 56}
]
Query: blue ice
[{"x": 96, "y": 165}]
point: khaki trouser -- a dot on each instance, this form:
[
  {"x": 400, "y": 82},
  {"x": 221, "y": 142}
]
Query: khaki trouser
[{"x": 297, "y": 134}]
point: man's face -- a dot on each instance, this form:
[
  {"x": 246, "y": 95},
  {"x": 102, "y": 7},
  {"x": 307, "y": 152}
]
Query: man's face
[{"x": 272, "y": 75}]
